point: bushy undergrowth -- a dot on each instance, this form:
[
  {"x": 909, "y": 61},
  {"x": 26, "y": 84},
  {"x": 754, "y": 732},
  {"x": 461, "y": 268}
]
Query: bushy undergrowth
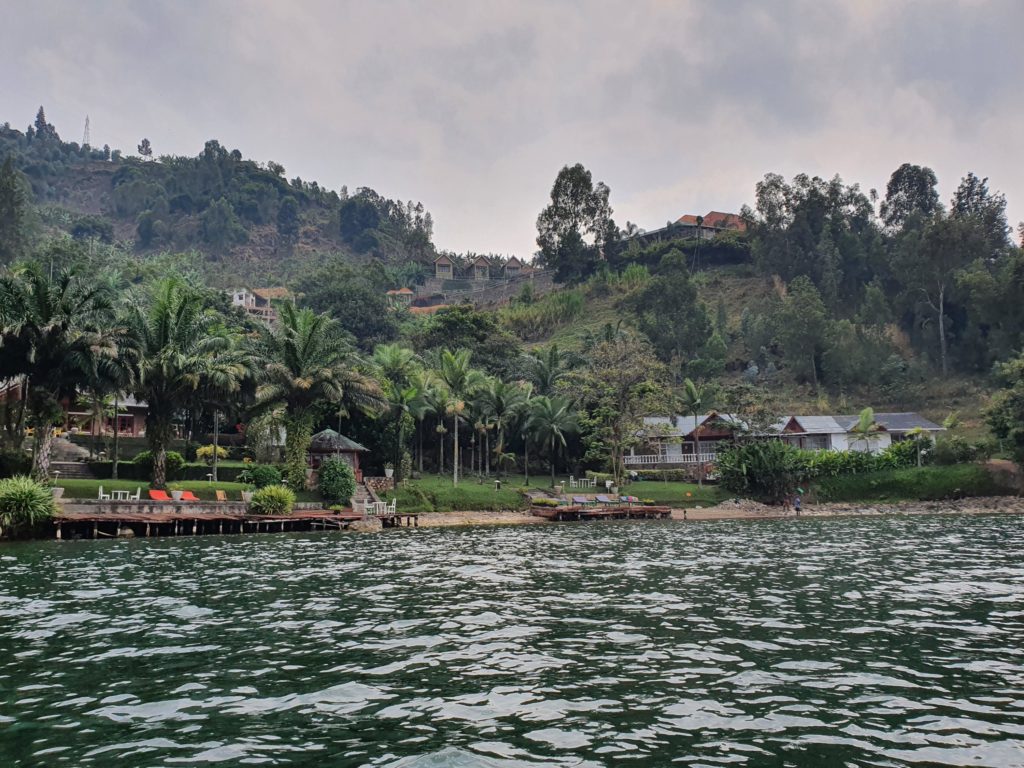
[
  {"x": 14, "y": 463},
  {"x": 925, "y": 483},
  {"x": 174, "y": 462},
  {"x": 531, "y": 322},
  {"x": 24, "y": 505},
  {"x": 260, "y": 475},
  {"x": 273, "y": 500},
  {"x": 336, "y": 481},
  {"x": 437, "y": 494}
]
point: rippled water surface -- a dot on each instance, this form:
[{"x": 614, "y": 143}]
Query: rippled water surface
[{"x": 870, "y": 642}]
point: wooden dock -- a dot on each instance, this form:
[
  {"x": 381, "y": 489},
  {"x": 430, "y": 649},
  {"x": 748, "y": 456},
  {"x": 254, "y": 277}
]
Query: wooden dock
[
  {"x": 602, "y": 512},
  {"x": 136, "y": 523}
]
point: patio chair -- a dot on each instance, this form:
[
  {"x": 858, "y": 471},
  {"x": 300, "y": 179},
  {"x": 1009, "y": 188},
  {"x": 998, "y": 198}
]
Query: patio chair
[
  {"x": 221, "y": 496},
  {"x": 391, "y": 509},
  {"x": 137, "y": 496},
  {"x": 189, "y": 496},
  {"x": 102, "y": 496},
  {"x": 581, "y": 500},
  {"x": 159, "y": 495},
  {"x": 604, "y": 500}
]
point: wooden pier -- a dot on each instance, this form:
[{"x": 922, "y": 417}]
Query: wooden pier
[
  {"x": 147, "y": 523},
  {"x": 602, "y": 512}
]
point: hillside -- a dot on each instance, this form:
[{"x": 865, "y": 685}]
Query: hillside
[{"x": 245, "y": 217}]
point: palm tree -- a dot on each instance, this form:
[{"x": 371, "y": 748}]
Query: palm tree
[
  {"x": 523, "y": 417},
  {"x": 866, "y": 429},
  {"x": 423, "y": 404},
  {"x": 223, "y": 383},
  {"x": 459, "y": 379},
  {"x": 917, "y": 434},
  {"x": 693, "y": 403},
  {"x": 396, "y": 366},
  {"x": 502, "y": 401},
  {"x": 551, "y": 419},
  {"x": 177, "y": 351},
  {"x": 547, "y": 367},
  {"x": 309, "y": 368},
  {"x": 53, "y": 335}
]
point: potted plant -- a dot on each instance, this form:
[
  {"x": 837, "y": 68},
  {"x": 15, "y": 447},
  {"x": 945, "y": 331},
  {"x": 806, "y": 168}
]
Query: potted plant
[
  {"x": 247, "y": 493},
  {"x": 176, "y": 494},
  {"x": 57, "y": 491},
  {"x": 389, "y": 470}
]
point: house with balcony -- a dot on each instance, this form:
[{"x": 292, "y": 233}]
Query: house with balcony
[
  {"x": 259, "y": 302},
  {"x": 672, "y": 441}
]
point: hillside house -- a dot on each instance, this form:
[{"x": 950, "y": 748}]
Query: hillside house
[
  {"x": 259, "y": 302},
  {"x": 444, "y": 267},
  {"x": 671, "y": 441},
  {"x": 400, "y": 297},
  {"x": 513, "y": 268},
  {"x": 480, "y": 268}
]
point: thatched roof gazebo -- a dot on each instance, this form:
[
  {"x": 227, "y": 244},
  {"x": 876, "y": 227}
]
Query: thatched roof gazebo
[{"x": 329, "y": 443}]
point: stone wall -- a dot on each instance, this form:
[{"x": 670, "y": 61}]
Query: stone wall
[{"x": 379, "y": 485}]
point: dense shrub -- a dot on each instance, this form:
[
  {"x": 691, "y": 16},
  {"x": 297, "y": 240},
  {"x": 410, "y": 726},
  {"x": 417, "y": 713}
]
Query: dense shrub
[
  {"x": 768, "y": 470},
  {"x": 14, "y": 463},
  {"x": 336, "y": 480},
  {"x": 24, "y": 505},
  {"x": 205, "y": 453},
  {"x": 175, "y": 464},
  {"x": 926, "y": 484},
  {"x": 954, "y": 450},
  {"x": 905, "y": 453},
  {"x": 273, "y": 500},
  {"x": 536, "y": 320},
  {"x": 260, "y": 475}
]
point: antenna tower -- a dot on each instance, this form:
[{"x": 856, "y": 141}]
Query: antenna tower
[{"x": 85, "y": 134}]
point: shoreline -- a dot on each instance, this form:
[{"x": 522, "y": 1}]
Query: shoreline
[{"x": 749, "y": 510}]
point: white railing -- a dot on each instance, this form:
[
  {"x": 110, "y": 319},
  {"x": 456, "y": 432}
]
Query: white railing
[{"x": 655, "y": 459}]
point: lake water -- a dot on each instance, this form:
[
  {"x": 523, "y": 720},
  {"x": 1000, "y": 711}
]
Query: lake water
[{"x": 844, "y": 642}]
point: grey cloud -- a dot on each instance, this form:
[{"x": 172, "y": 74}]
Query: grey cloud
[{"x": 472, "y": 107}]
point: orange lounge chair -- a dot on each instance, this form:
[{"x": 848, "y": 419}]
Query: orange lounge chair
[
  {"x": 221, "y": 496},
  {"x": 188, "y": 496},
  {"x": 159, "y": 495}
]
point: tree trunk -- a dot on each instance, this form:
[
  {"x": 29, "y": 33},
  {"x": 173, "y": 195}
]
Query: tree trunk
[
  {"x": 158, "y": 434},
  {"x": 419, "y": 437},
  {"x": 700, "y": 462},
  {"x": 440, "y": 448},
  {"x": 398, "y": 451},
  {"x": 216, "y": 440},
  {"x": 552, "y": 462},
  {"x": 942, "y": 330},
  {"x": 296, "y": 447},
  {"x": 92, "y": 427},
  {"x": 526, "y": 460},
  {"x": 487, "y": 453},
  {"x": 41, "y": 460},
  {"x": 114, "y": 457},
  {"x": 455, "y": 451}
]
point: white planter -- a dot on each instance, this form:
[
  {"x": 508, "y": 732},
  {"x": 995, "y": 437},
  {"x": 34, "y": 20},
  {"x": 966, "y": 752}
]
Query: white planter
[
  {"x": 388, "y": 472},
  {"x": 246, "y": 496},
  {"x": 57, "y": 492},
  {"x": 176, "y": 495}
]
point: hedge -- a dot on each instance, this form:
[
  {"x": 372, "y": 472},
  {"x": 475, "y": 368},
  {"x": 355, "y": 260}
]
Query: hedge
[
  {"x": 924, "y": 484},
  {"x": 127, "y": 470}
]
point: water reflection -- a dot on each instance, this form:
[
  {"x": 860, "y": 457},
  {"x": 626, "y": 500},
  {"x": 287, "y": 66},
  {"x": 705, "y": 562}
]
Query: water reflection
[{"x": 804, "y": 643}]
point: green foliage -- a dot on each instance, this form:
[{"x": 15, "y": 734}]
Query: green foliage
[
  {"x": 24, "y": 505},
  {"x": 956, "y": 449},
  {"x": 260, "y": 475},
  {"x": 542, "y": 502},
  {"x": 539, "y": 319},
  {"x": 336, "y": 480},
  {"x": 13, "y": 214},
  {"x": 801, "y": 327},
  {"x": 272, "y": 500},
  {"x": 14, "y": 463},
  {"x": 767, "y": 470},
  {"x": 205, "y": 453},
  {"x": 576, "y": 227},
  {"x": 925, "y": 484},
  {"x": 668, "y": 312},
  {"x": 175, "y": 463},
  {"x": 435, "y": 494},
  {"x": 495, "y": 350}
]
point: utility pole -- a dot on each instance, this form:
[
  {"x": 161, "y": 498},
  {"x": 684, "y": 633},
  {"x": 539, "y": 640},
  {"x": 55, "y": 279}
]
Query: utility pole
[{"x": 85, "y": 134}]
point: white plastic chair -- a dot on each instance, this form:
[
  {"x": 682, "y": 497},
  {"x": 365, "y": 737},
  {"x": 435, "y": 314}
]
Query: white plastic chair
[
  {"x": 103, "y": 496},
  {"x": 137, "y": 496}
]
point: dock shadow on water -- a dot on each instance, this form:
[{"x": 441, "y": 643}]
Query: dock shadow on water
[{"x": 806, "y": 643}]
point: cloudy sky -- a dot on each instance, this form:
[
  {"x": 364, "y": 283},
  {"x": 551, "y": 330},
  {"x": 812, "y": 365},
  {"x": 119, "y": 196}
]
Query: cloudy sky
[{"x": 473, "y": 106}]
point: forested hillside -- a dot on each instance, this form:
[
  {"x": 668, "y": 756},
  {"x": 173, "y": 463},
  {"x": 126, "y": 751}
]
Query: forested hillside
[
  {"x": 830, "y": 296},
  {"x": 245, "y": 217}
]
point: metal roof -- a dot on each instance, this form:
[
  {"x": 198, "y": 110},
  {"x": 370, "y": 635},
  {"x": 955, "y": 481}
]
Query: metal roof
[
  {"x": 895, "y": 422},
  {"x": 817, "y": 425}
]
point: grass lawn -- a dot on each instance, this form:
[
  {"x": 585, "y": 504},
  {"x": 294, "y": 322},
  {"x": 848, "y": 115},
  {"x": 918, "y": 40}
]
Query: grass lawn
[
  {"x": 89, "y": 489},
  {"x": 437, "y": 494},
  {"x": 676, "y": 493}
]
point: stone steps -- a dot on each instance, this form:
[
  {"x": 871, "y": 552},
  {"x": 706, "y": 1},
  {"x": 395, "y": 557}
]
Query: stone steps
[{"x": 71, "y": 470}]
